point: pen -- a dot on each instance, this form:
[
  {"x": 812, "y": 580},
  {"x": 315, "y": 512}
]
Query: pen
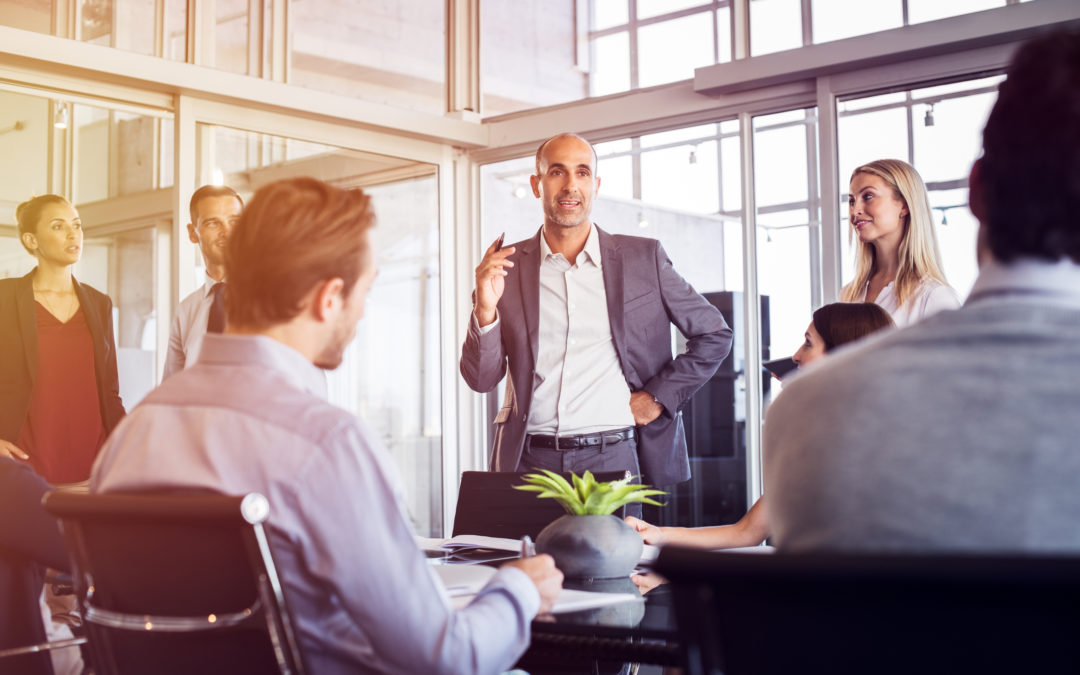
[{"x": 527, "y": 548}]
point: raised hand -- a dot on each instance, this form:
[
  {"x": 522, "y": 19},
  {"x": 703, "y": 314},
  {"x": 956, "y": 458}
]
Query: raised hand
[{"x": 490, "y": 281}]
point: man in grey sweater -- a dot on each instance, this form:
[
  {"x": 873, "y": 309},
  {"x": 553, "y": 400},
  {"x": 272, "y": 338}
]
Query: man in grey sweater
[{"x": 961, "y": 433}]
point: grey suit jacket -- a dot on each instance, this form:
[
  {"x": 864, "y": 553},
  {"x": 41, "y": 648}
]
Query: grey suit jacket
[{"x": 645, "y": 295}]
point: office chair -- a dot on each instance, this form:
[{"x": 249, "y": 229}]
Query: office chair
[
  {"x": 855, "y": 613},
  {"x": 172, "y": 584},
  {"x": 489, "y": 505}
]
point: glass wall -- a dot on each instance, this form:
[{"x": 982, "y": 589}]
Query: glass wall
[
  {"x": 788, "y": 244},
  {"x": 530, "y": 56},
  {"x": 385, "y": 52},
  {"x": 641, "y": 43},
  {"x": 390, "y": 376},
  {"x": 124, "y": 24}
]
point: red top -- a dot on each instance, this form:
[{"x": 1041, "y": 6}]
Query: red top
[{"x": 63, "y": 431}]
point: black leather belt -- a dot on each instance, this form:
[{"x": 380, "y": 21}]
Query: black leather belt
[{"x": 581, "y": 440}]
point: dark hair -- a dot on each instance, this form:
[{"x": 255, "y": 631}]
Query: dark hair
[
  {"x": 1029, "y": 173},
  {"x": 540, "y": 150},
  {"x": 208, "y": 191},
  {"x": 28, "y": 214},
  {"x": 294, "y": 234},
  {"x": 844, "y": 322}
]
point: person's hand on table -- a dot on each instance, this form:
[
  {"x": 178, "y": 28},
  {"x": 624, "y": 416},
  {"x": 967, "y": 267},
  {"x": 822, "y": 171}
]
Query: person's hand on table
[
  {"x": 11, "y": 450},
  {"x": 644, "y": 407},
  {"x": 548, "y": 579},
  {"x": 646, "y": 581},
  {"x": 651, "y": 534}
]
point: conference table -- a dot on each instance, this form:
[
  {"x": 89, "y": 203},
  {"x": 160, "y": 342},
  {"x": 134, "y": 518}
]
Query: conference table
[{"x": 628, "y": 632}]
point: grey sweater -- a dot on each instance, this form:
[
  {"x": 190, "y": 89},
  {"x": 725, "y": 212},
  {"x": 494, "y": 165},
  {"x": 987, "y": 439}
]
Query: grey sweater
[{"x": 961, "y": 433}]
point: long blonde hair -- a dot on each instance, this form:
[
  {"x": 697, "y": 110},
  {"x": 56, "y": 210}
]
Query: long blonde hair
[{"x": 920, "y": 257}]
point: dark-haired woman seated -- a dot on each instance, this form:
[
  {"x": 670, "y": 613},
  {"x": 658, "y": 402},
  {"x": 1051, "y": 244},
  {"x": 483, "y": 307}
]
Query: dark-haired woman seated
[
  {"x": 832, "y": 326},
  {"x": 59, "y": 390}
]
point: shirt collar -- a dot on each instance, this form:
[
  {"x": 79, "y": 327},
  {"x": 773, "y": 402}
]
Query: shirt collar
[
  {"x": 208, "y": 283},
  {"x": 1031, "y": 277},
  {"x": 591, "y": 250},
  {"x": 264, "y": 352}
]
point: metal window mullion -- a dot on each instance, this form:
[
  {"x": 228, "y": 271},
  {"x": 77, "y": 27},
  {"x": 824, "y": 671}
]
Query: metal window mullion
[
  {"x": 814, "y": 212},
  {"x": 910, "y": 129},
  {"x": 463, "y": 56},
  {"x": 752, "y": 314},
  {"x": 255, "y": 24},
  {"x": 632, "y": 31},
  {"x": 807, "y": 23},
  {"x": 740, "y": 29},
  {"x": 829, "y": 180}
]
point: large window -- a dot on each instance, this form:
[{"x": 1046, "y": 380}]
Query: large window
[
  {"x": 385, "y": 52},
  {"x": 124, "y": 24},
  {"x": 641, "y": 43}
]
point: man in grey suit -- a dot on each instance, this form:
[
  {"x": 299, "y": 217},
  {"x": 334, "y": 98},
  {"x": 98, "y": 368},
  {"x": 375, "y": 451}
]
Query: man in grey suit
[
  {"x": 582, "y": 320},
  {"x": 959, "y": 434}
]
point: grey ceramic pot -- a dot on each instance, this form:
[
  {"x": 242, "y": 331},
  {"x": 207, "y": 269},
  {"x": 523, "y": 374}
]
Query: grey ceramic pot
[{"x": 591, "y": 547}]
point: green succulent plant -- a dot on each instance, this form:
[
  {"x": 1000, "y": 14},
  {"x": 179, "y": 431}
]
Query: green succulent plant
[{"x": 587, "y": 496}]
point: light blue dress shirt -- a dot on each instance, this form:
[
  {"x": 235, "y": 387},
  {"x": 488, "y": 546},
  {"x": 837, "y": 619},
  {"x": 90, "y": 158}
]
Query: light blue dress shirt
[{"x": 251, "y": 416}]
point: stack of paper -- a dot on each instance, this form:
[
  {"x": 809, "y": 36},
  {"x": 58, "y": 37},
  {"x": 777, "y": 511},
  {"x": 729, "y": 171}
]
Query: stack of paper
[{"x": 464, "y": 582}]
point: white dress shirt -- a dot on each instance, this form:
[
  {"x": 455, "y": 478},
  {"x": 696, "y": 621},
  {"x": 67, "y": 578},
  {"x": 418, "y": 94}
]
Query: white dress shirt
[
  {"x": 188, "y": 328},
  {"x": 578, "y": 383},
  {"x": 930, "y": 297},
  {"x": 251, "y": 415}
]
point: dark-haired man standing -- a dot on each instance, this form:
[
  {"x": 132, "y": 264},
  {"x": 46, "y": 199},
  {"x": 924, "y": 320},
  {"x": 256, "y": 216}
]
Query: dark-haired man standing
[
  {"x": 960, "y": 434},
  {"x": 252, "y": 415},
  {"x": 215, "y": 209}
]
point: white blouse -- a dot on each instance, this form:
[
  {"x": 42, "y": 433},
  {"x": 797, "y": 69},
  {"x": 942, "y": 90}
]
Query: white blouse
[{"x": 930, "y": 297}]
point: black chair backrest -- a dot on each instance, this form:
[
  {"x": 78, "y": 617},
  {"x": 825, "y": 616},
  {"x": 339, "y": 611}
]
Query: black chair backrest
[
  {"x": 177, "y": 583},
  {"x": 742, "y": 613},
  {"x": 489, "y": 505}
]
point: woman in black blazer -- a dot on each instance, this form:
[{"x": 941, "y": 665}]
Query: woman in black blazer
[{"x": 59, "y": 389}]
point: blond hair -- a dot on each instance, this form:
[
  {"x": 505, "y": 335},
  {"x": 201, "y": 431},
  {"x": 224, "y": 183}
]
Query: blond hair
[{"x": 920, "y": 257}]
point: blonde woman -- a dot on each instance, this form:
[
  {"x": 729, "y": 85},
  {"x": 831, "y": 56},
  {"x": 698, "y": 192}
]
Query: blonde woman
[{"x": 898, "y": 264}]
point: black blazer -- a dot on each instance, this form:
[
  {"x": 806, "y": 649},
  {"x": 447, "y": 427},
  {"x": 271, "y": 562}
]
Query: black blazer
[{"x": 19, "y": 353}]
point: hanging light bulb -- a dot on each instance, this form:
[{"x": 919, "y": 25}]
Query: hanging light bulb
[
  {"x": 944, "y": 216},
  {"x": 60, "y": 116},
  {"x": 928, "y": 120},
  {"x": 693, "y": 155}
]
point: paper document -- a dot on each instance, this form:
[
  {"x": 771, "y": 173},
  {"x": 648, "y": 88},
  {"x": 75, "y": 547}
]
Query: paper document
[
  {"x": 467, "y": 549},
  {"x": 474, "y": 542},
  {"x": 463, "y": 582}
]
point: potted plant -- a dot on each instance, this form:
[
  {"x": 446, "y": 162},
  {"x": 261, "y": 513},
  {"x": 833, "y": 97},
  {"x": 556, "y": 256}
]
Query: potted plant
[{"x": 589, "y": 542}]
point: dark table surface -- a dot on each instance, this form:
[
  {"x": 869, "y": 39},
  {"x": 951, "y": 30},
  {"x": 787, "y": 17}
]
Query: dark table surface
[{"x": 641, "y": 632}]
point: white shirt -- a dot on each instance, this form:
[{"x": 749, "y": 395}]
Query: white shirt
[
  {"x": 578, "y": 383},
  {"x": 188, "y": 329},
  {"x": 930, "y": 297}
]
